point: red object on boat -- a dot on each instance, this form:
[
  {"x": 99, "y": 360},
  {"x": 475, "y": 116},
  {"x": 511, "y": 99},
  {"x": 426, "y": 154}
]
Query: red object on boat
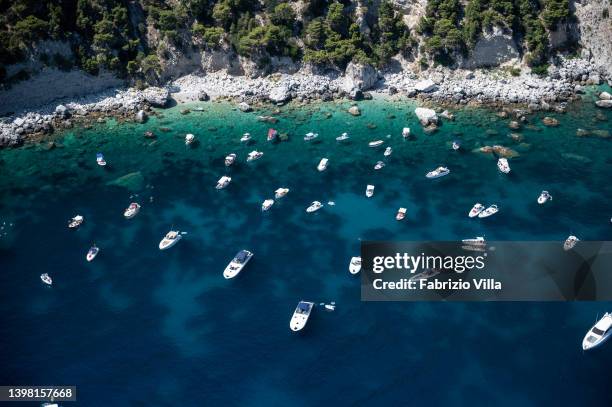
[{"x": 272, "y": 134}]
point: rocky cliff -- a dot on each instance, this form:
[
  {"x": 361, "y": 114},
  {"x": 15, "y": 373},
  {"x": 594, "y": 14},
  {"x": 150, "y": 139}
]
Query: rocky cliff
[{"x": 594, "y": 32}]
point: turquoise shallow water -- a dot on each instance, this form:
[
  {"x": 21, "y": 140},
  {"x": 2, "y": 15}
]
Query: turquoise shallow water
[{"x": 165, "y": 328}]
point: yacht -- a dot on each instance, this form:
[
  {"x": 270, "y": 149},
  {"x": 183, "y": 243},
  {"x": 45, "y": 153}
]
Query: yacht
[
  {"x": 437, "y": 173},
  {"x": 570, "y": 242},
  {"x": 388, "y": 151},
  {"x": 189, "y": 139},
  {"x": 355, "y": 265},
  {"x": 100, "y": 159},
  {"x": 254, "y": 155},
  {"x": 314, "y": 206},
  {"x": 544, "y": 197},
  {"x": 491, "y": 210},
  {"x": 223, "y": 182},
  {"x": 280, "y": 192},
  {"x": 379, "y": 165},
  {"x": 597, "y": 335},
  {"x": 131, "y": 210},
  {"x": 503, "y": 165},
  {"x": 267, "y": 204},
  {"x": 46, "y": 278},
  {"x": 401, "y": 214},
  {"x": 170, "y": 239},
  {"x": 230, "y": 159},
  {"x": 301, "y": 315},
  {"x": 375, "y": 143},
  {"x": 406, "y": 132},
  {"x": 92, "y": 253},
  {"x": 343, "y": 137},
  {"x": 456, "y": 145},
  {"x": 246, "y": 137},
  {"x": 310, "y": 136},
  {"x": 76, "y": 222},
  {"x": 476, "y": 209},
  {"x": 478, "y": 240},
  {"x": 322, "y": 164},
  {"x": 272, "y": 134},
  {"x": 237, "y": 264},
  {"x": 369, "y": 191},
  {"x": 424, "y": 275}
]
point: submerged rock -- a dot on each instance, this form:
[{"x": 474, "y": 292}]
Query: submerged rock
[
  {"x": 604, "y": 103},
  {"x": 550, "y": 121},
  {"x": 605, "y": 96},
  {"x": 267, "y": 119},
  {"x": 582, "y": 132},
  {"x": 141, "y": 116},
  {"x": 354, "y": 110},
  {"x": 447, "y": 115},
  {"x": 244, "y": 107},
  {"x": 426, "y": 116},
  {"x": 132, "y": 181},
  {"x": 601, "y": 133},
  {"x": 514, "y": 125},
  {"x": 499, "y": 150}
]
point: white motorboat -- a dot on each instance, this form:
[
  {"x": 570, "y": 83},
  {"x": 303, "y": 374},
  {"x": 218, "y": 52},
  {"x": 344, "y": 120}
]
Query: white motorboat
[
  {"x": 401, "y": 214},
  {"x": 267, "y": 204},
  {"x": 223, "y": 182},
  {"x": 280, "y": 192},
  {"x": 424, "y": 275},
  {"x": 310, "y": 136},
  {"x": 330, "y": 307},
  {"x": 456, "y": 145},
  {"x": 570, "y": 242},
  {"x": 355, "y": 265},
  {"x": 237, "y": 264},
  {"x": 170, "y": 239},
  {"x": 76, "y": 222},
  {"x": 491, "y": 210},
  {"x": 597, "y": 335},
  {"x": 478, "y": 240},
  {"x": 406, "y": 132},
  {"x": 388, "y": 151},
  {"x": 379, "y": 165},
  {"x": 100, "y": 159},
  {"x": 314, "y": 206},
  {"x": 369, "y": 191},
  {"x": 476, "y": 209},
  {"x": 92, "y": 253},
  {"x": 375, "y": 143},
  {"x": 46, "y": 278},
  {"x": 343, "y": 137},
  {"x": 189, "y": 139},
  {"x": 131, "y": 210},
  {"x": 322, "y": 164},
  {"x": 437, "y": 173},
  {"x": 246, "y": 137},
  {"x": 544, "y": 197},
  {"x": 503, "y": 166},
  {"x": 230, "y": 159},
  {"x": 254, "y": 155},
  {"x": 301, "y": 315}
]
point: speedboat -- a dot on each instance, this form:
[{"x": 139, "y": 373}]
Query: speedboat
[
  {"x": 330, "y": 307},
  {"x": 375, "y": 143},
  {"x": 342, "y": 137},
  {"x": 456, "y": 145},
  {"x": 570, "y": 242},
  {"x": 267, "y": 204},
  {"x": 310, "y": 136},
  {"x": 597, "y": 335},
  {"x": 424, "y": 275},
  {"x": 100, "y": 159},
  {"x": 406, "y": 132},
  {"x": 355, "y": 265},
  {"x": 92, "y": 253},
  {"x": 301, "y": 315},
  {"x": 388, "y": 151},
  {"x": 476, "y": 209},
  {"x": 401, "y": 214},
  {"x": 237, "y": 264},
  {"x": 189, "y": 139},
  {"x": 272, "y": 134},
  {"x": 437, "y": 173},
  {"x": 491, "y": 210},
  {"x": 544, "y": 197},
  {"x": 322, "y": 164},
  {"x": 280, "y": 192},
  {"x": 246, "y": 137},
  {"x": 131, "y": 210},
  {"x": 76, "y": 222},
  {"x": 254, "y": 155},
  {"x": 170, "y": 239},
  {"x": 223, "y": 182},
  {"x": 478, "y": 240},
  {"x": 314, "y": 206},
  {"x": 46, "y": 278},
  {"x": 379, "y": 165},
  {"x": 369, "y": 191},
  {"x": 503, "y": 165},
  {"x": 230, "y": 159}
]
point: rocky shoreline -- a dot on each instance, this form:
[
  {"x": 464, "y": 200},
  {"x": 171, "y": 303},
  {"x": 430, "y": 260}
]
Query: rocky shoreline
[{"x": 440, "y": 86}]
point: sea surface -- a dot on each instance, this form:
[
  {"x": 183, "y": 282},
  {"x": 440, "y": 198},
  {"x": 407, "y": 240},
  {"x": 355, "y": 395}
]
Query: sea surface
[{"x": 144, "y": 327}]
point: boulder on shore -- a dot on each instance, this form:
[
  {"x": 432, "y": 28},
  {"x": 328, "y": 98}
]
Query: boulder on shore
[
  {"x": 244, "y": 107},
  {"x": 425, "y": 86},
  {"x": 426, "y": 116},
  {"x": 141, "y": 116},
  {"x": 280, "y": 94},
  {"x": 359, "y": 76},
  {"x": 203, "y": 96},
  {"x": 156, "y": 96}
]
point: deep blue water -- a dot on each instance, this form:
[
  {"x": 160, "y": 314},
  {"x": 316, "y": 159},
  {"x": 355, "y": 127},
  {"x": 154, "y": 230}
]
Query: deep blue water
[{"x": 142, "y": 327}]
